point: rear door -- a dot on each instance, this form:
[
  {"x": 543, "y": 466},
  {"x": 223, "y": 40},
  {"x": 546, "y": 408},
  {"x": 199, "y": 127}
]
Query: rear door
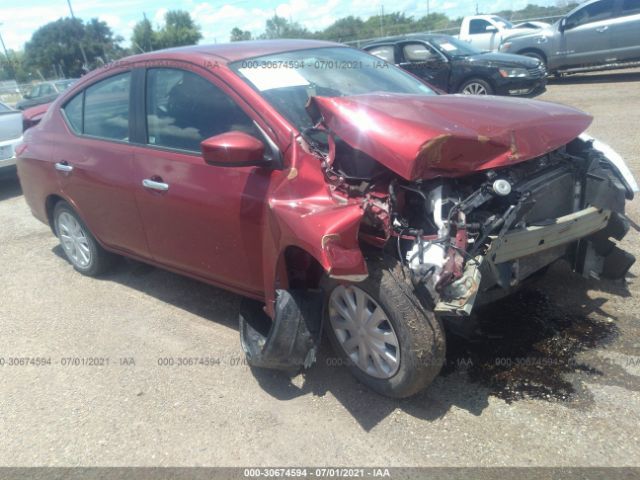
[
  {"x": 94, "y": 163},
  {"x": 625, "y": 31},
  {"x": 203, "y": 220},
  {"x": 586, "y": 37}
]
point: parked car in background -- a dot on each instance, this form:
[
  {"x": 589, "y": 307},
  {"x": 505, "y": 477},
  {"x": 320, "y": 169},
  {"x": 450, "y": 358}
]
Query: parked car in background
[
  {"x": 597, "y": 35},
  {"x": 10, "y": 135},
  {"x": 456, "y": 67},
  {"x": 334, "y": 191},
  {"x": 487, "y": 32},
  {"x": 45, "y": 92}
]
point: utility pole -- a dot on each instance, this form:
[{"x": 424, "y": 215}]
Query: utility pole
[
  {"x": 84, "y": 55},
  {"x": 381, "y": 20},
  {"x": 427, "y": 8},
  {"x": 6, "y": 56}
]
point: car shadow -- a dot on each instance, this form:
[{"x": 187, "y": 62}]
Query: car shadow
[
  {"x": 9, "y": 184},
  {"x": 596, "y": 77},
  {"x": 539, "y": 343}
]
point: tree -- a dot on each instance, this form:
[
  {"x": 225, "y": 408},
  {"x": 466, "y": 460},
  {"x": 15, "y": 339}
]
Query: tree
[
  {"x": 143, "y": 39},
  {"x": 178, "y": 30},
  {"x": 434, "y": 21},
  {"x": 280, "y": 27},
  {"x": 343, "y": 30},
  {"x": 238, "y": 35},
  {"x": 55, "y": 47}
]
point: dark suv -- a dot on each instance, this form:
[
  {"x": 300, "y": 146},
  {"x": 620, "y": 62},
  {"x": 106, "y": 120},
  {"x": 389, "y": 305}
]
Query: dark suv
[{"x": 457, "y": 67}]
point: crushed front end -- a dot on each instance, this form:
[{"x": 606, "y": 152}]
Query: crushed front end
[
  {"x": 471, "y": 237},
  {"x": 463, "y": 238}
]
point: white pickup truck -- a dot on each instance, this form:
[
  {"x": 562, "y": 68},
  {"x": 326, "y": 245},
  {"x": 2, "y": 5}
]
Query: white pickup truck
[
  {"x": 487, "y": 32},
  {"x": 10, "y": 135}
]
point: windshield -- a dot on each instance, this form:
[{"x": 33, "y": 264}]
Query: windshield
[
  {"x": 453, "y": 47},
  {"x": 287, "y": 80}
]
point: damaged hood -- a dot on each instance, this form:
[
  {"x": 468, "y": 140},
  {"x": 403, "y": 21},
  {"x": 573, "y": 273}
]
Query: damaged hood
[{"x": 419, "y": 136}]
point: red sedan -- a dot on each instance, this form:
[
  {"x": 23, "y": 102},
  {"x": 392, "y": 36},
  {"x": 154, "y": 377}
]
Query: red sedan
[{"x": 334, "y": 191}]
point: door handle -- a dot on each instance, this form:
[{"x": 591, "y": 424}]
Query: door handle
[
  {"x": 604, "y": 28},
  {"x": 64, "y": 167},
  {"x": 155, "y": 185}
]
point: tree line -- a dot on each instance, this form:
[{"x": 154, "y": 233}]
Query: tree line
[{"x": 68, "y": 47}]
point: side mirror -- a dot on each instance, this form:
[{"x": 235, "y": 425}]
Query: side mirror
[
  {"x": 490, "y": 29},
  {"x": 233, "y": 149},
  {"x": 26, "y": 96}
]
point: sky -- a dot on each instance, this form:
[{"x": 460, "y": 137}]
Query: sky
[{"x": 20, "y": 19}]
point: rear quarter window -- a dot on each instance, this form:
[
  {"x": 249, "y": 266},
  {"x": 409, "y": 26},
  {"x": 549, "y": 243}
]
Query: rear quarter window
[{"x": 73, "y": 112}]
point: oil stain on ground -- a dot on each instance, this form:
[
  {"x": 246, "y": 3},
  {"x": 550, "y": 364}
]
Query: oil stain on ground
[{"x": 526, "y": 347}]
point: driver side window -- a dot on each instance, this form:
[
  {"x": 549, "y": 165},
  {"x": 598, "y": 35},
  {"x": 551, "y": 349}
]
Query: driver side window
[
  {"x": 593, "y": 12},
  {"x": 418, "y": 53},
  {"x": 183, "y": 109},
  {"x": 478, "y": 25}
]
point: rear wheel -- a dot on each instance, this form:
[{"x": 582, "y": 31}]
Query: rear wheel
[
  {"x": 79, "y": 245},
  {"x": 385, "y": 337},
  {"x": 476, "y": 86}
]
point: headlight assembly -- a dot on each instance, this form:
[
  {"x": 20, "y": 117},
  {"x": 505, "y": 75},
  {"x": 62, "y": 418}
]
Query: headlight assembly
[{"x": 514, "y": 72}]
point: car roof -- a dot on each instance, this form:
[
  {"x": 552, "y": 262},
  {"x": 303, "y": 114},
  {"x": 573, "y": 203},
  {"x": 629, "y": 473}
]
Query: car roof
[
  {"x": 401, "y": 38},
  {"x": 234, "y": 51}
]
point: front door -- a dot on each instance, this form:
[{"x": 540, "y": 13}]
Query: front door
[
  {"x": 586, "y": 37},
  {"x": 200, "y": 219}
]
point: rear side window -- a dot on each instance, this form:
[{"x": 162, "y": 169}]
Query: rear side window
[
  {"x": 183, "y": 109},
  {"x": 385, "y": 52},
  {"x": 73, "y": 112},
  {"x": 106, "y": 108},
  {"x": 630, "y": 7}
]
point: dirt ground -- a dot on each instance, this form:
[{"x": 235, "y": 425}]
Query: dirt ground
[{"x": 554, "y": 381}]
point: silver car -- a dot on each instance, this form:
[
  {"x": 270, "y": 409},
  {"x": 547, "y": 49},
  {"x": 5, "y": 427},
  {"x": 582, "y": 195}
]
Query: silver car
[
  {"x": 10, "y": 135},
  {"x": 597, "y": 35}
]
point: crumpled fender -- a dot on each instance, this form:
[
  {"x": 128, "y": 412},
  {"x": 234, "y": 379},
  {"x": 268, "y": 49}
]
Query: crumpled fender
[
  {"x": 302, "y": 212},
  {"x": 418, "y": 136}
]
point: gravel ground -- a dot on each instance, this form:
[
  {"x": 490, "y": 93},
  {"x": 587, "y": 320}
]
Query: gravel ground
[{"x": 492, "y": 406}]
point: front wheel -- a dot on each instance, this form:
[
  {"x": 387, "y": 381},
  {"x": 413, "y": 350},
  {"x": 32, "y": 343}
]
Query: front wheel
[
  {"x": 382, "y": 333},
  {"x": 476, "y": 86}
]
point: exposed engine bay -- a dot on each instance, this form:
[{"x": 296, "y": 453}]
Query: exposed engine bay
[{"x": 459, "y": 238}]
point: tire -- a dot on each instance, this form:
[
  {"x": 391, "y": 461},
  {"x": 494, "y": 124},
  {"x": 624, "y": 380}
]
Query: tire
[
  {"x": 79, "y": 245},
  {"x": 482, "y": 87},
  {"x": 419, "y": 335}
]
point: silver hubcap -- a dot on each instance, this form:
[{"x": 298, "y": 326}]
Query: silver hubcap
[
  {"x": 364, "y": 331},
  {"x": 474, "y": 89},
  {"x": 74, "y": 240}
]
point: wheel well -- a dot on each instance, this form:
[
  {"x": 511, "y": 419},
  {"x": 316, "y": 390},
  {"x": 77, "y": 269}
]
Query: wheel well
[
  {"x": 533, "y": 50},
  {"x": 50, "y": 205},
  {"x": 302, "y": 269}
]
